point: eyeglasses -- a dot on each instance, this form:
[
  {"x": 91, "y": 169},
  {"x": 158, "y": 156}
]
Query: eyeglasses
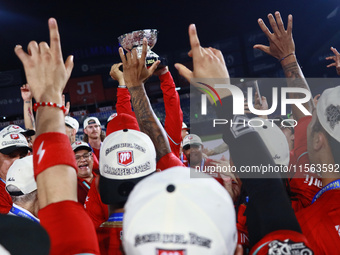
[{"x": 86, "y": 156}]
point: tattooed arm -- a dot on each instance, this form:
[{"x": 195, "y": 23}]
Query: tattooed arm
[
  {"x": 282, "y": 47},
  {"x": 135, "y": 73}
]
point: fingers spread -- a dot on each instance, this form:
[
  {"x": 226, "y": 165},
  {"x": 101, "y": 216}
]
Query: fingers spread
[
  {"x": 279, "y": 22},
  {"x": 336, "y": 53},
  {"x": 330, "y": 65},
  {"x": 144, "y": 50},
  {"x": 290, "y": 24},
  {"x": 262, "y": 47},
  {"x": 273, "y": 24},
  {"x": 154, "y": 66},
  {"x": 264, "y": 28}
]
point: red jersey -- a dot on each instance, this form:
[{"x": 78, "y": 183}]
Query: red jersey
[
  {"x": 320, "y": 223},
  {"x": 96, "y": 153},
  {"x": 95, "y": 208},
  {"x": 173, "y": 112},
  {"x": 69, "y": 228},
  {"x": 282, "y": 242},
  {"x": 303, "y": 184},
  {"x": 5, "y": 198},
  {"x": 241, "y": 225},
  {"x": 110, "y": 236},
  {"x": 83, "y": 189},
  {"x": 167, "y": 161}
]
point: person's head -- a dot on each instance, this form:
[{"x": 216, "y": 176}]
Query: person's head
[
  {"x": 84, "y": 159},
  {"x": 72, "y": 126},
  {"x": 287, "y": 129},
  {"x": 21, "y": 185},
  {"x": 184, "y": 130},
  {"x": 182, "y": 211},
  {"x": 92, "y": 128},
  {"x": 323, "y": 132},
  {"x": 12, "y": 147},
  {"x": 28, "y": 133},
  {"x": 192, "y": 149},
  {"x": 126, "y": 157}
]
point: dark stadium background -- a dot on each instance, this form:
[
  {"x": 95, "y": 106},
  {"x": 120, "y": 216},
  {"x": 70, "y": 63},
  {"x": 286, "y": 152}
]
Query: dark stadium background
[{"x": 89, "y": 31}]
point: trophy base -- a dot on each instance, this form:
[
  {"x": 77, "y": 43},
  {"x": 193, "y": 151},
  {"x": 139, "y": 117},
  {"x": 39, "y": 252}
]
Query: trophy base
[{"x": 150, "y": 60}]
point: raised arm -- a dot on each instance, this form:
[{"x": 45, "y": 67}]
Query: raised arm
[
  {"x": 123, "y": 104},
  {"x": 135, "y": 73},
  {"x": 26, "y": 95},
  {"x": 282, "y": 47},
  {"x": 54, "y": 163},
  {"x": 173, "y": 112}
]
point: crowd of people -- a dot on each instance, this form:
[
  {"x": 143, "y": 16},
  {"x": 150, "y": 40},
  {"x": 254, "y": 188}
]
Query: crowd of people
[{"x": 147, "y": 188}]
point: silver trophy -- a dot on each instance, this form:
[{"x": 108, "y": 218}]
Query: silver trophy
[{"x": 134, "y": 39}]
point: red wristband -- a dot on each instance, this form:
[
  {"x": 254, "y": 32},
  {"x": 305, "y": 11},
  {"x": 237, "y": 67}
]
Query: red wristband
[
  {"x": 61, "y": 107},
  {"x": 51, "y": 149}
]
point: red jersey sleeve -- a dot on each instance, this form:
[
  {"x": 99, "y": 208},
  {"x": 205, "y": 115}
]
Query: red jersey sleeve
[
  {"x": 69, "y": 228},
  {"x": 95, "y": 208},
  {"x": 173, "y": 112},
  {"x": 123, "y": 104},
  {"x": 169, "y": 160},
  {"x": 304, "y": 185},
  {"x": 5, "y": 199},
  {"x": 282, "y": 242}
]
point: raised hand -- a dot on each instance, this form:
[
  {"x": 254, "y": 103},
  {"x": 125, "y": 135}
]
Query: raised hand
[
  {"x": 44, "y": 67},
  {"x": 135, "y": 71},
  {"x": 117, "y": 74},
  {"x": 67, "y": 106},
  {"x": 26, "y": 93},
  {"x": 208, "y": 62},
  {"x": 281, "y": 43},
  {"x": 336, "y": 59}
]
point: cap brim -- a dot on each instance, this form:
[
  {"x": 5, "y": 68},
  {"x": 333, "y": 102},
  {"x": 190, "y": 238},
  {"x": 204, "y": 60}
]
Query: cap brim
[
  {"x": 12, "y": 148},
  {"x": 116, "y": 192},
  {"x": 82, "y": 147},
  {"x": 28, "y": 132}
]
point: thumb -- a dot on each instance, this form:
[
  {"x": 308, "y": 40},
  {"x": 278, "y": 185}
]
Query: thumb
[
  {"x": 154, "y": 66},
  {"x": 184, "y": 71},
  {"x": 264, "y": 48},
  {"x": 69, "y": 65}
]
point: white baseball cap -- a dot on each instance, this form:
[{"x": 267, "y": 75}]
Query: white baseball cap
[
  {"x": 273, "y": 138},
  {"x": 10, "y": 142},
  {"x": 80, "y": 145},
  {"x": 192, "y": 139},
  {"x": 328, "y": 110},
  {"x": 172, "y": 211},
  {"x": 17, "y": 129},
  {"x": 21, "y": 175},
  {"x": 91, "y": 120},
  {"x": 126, "y": 157},
  {"x": 72, "y": 122},
  {"x": 184, "y": 126}
]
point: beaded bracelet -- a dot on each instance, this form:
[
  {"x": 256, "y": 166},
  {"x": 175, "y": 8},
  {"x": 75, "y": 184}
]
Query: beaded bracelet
[
  {"x": 36, "y": 105},
  {"x": 286, "y": 56}
]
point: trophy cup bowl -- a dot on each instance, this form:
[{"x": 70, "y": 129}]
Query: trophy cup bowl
[{"x": 134, "y": 39}]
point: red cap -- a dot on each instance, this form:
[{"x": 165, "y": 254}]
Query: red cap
[{"x": 122, "y": 121}]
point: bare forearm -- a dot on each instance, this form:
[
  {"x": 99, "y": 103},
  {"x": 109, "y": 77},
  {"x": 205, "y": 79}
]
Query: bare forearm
[
  {"x": 148, "y": 121},
  {"x": 28, "y": 116},
  {"x": 296, "y": 79}
]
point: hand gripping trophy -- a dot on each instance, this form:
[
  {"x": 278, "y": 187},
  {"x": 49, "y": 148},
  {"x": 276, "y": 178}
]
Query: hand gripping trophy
[{"x": 135, "y": 40}]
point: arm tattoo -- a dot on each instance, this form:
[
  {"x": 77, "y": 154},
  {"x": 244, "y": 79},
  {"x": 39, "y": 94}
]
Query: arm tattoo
[
  {"x": 30, "y": 115},
  {"x": 148, "y": 122}
]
